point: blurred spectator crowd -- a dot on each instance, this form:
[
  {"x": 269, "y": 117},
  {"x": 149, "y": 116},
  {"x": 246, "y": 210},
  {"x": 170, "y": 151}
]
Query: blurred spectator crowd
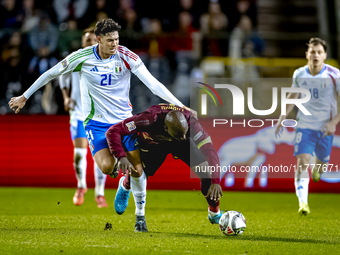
[{"x": 171, "y": 37}]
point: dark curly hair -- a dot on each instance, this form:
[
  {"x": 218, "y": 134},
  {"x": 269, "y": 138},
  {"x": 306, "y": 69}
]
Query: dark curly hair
[{"x": 106, "y": 26}]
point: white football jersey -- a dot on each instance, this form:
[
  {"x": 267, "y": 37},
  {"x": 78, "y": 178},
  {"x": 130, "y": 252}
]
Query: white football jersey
[
  {"x": 324, "y": 88},
  {"x": 105, "y": 83}
]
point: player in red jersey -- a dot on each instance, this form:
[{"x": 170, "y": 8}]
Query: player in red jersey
[{"x": 161, "y": 130}]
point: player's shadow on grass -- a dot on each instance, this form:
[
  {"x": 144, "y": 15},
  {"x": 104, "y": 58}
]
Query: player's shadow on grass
[{"x": 253, "y": 238}]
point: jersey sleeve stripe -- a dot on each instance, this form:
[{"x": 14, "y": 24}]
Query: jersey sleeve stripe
[
  {"x": 80, "y": 57},
  {"x": 78, "y": 54},
  {"x": 333, "y": 80},
  {"x": 129, "y": 54},
  {"x": 122, "y": 49}
]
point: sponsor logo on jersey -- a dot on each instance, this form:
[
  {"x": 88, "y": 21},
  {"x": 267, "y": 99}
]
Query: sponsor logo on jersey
[
  {"x": 131, "y": 126},
  {"x": 94, "y": 69},
  {"x": 304, "y": 83},
  {"x": 64, "y": 63}
]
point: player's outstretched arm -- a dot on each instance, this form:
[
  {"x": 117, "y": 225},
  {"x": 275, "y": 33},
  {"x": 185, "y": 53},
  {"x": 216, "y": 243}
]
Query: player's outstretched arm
[
  {"x": 155, "y": 86},
  {"x": 159, "y": 89},
  {"x": 62, "y": 67},
  {"x": 290, "y": 107},
  {"x": 16, "y": 103}
]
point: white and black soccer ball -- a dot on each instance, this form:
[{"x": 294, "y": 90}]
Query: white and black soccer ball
[{"x": 232, "y": 223}]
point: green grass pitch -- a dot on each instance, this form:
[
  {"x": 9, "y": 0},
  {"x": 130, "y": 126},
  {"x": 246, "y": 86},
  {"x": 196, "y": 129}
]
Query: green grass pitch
[{"x": 44, "y": 221}]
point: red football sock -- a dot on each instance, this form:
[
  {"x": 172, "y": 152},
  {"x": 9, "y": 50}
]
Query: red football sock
[
  {"x": 126, "y": 182},
  {"x": 214, "y": 209}
]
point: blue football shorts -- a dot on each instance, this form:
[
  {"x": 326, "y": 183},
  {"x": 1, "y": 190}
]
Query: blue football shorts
[
  {"x": 77, "y": 129},
  {"x": 309, "y": 141},
  {"x": 95, "y": 132}
]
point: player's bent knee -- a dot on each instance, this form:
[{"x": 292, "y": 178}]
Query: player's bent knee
[{"x": 106, "y": 165}]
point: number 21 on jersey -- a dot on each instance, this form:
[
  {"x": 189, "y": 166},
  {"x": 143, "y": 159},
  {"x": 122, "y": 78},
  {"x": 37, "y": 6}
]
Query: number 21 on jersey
[{"x": 106, "y": 79}]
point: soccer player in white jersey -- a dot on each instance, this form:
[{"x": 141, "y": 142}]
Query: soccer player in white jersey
[
  {"x": 72, "y": 103},
  {"x": 314, "y": 132},
  {"x": 104, "y": 73}
]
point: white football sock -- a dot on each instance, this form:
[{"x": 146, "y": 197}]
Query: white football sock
[
  {"x": 100, "y": 180},
  {"x": 138, "y": 187},
  {"x": 79, "y": 164},
  {"x": 212, "y": 214},
  {"x": 301, "y": 187}
]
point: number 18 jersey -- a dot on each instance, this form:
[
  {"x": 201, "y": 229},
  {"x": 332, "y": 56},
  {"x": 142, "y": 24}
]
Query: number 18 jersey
[{"x": 324, "y": 88}]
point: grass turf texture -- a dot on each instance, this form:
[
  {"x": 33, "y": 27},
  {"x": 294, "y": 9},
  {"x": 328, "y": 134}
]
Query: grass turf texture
[{"x": 44, "y": 221}]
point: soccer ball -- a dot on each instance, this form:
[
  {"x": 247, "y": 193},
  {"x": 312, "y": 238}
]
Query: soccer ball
[{"x": 232, "y": 223}]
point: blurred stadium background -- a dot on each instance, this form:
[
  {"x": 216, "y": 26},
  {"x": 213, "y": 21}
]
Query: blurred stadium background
[{"x": 178, "y": 40}]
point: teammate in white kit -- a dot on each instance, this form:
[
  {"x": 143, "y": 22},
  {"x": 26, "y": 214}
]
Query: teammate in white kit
[
  {"x": 314, "y": 132},
  {"x": 104, "y": 72},
  {"x": 72, "y": 103}
]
